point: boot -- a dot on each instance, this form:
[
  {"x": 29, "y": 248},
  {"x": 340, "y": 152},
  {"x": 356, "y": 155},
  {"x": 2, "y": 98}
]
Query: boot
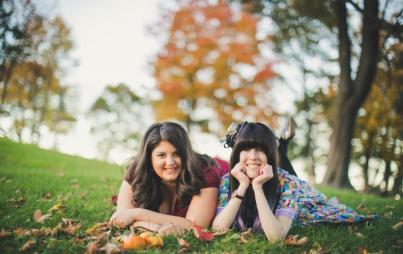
[{"x": 288, "y": 131}]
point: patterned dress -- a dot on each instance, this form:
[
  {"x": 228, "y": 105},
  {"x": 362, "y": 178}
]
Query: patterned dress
[{"x": 302, "y": 203}]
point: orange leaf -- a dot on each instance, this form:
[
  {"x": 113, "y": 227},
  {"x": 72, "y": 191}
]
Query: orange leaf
[
  {"x": 27, "y": 245},
  {"x": 39, "y": 217},
  {"x": 293, "y": 240}
]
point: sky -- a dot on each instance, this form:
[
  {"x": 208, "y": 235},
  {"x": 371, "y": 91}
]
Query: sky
[{"x": 112, "y": 45}]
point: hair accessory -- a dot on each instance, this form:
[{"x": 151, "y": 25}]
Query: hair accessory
[{"x": 232, "y": 133}]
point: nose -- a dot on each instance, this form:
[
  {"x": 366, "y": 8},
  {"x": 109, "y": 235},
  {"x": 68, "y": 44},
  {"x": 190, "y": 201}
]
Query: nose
[
  {"x": 253, "y": 153},
  {"x": 170, "y": 160}
]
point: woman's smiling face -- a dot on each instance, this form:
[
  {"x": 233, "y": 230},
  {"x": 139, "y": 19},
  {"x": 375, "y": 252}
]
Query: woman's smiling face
[
  {"x": 166, "y": 161},
  {"x": 253, "y": 159}
]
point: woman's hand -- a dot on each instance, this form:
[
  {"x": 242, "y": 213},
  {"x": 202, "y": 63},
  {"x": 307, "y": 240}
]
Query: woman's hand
[
  {"x": 239, "y": 173},
  {"x": 123, "y": 218},
  {"x": 265, "y": 174}
]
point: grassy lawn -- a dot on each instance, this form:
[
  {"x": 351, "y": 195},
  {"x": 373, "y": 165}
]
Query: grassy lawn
[{"x": 33, "y": 178}]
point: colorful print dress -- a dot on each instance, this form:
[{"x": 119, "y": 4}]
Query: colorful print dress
[{"x": 302, "y": 203}]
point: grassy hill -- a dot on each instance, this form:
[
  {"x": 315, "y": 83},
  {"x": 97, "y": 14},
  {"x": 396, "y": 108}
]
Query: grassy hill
[{"x": 32, "y": 178}]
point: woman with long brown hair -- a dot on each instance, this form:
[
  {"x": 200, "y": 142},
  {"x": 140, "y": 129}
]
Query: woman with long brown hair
[{"x": 168, "y": 186}]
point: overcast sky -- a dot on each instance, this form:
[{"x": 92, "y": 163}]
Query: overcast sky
[{"x": 112, "y": 45}]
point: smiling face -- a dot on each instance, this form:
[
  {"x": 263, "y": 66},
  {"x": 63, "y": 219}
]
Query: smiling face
[
  {"x": 166, "y": 161},
  {"x": 253, "y": 159}
]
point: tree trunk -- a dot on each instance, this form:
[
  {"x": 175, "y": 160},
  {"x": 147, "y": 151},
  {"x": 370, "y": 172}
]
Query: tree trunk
[
  {"x": 351, "y": 94},
  {"x": 365, "y": 169}
]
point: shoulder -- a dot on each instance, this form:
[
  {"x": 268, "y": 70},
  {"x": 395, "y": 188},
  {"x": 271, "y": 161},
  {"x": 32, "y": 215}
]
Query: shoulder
[{"x": 211, "y": 176}]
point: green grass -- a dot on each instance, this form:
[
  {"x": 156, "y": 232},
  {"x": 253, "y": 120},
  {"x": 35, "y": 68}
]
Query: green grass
[{"x": 85, "y": 187}]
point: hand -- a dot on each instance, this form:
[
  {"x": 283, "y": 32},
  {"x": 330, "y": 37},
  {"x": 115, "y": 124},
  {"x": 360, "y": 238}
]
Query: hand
[
  {"x": 265, "y": 174},
  {"x": 239, "y": 173},
  {"x": 123, "y": 217}
]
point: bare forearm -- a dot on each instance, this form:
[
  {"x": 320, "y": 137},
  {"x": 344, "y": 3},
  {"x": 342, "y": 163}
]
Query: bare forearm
[
  {"x": 147, "y": 225},
  {"x": 270, "y": 225},
  {"x": 160, "y": 218},
  {"x": 225, "y": 218}
]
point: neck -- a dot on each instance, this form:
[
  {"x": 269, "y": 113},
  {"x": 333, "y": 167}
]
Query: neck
[{"x": 171, "y": 186}]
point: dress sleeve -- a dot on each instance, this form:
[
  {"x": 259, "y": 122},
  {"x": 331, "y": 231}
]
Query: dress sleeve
[
  {"x": 211, "y": 177},
  {"x": 223, "y": 193},
  {"x": 288, "y": 203}
]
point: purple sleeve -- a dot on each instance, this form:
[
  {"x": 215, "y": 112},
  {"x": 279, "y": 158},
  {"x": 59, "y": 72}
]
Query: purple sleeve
[{"x": 288, "y": 203}]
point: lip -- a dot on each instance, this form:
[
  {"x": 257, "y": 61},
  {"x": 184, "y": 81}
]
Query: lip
[
  {"x": 171, "y": 170},
  {"x": 253, "y": 164}
]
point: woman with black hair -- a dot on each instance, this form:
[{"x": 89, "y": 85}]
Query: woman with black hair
[
  {"x": 168, "y": 186},
  {"x": 259, "y": 194}
]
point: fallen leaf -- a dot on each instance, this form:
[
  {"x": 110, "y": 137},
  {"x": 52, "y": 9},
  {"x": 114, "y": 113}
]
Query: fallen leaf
[
  {"x": 39, "y": 217},
  {"x": 110, "y": 248},
  {"x": 17, "y": 201},
  {"x": 46, "y": 195},
  {"x": 27, "y": 245},
  {"x": 57, "y": 207},
  {"x": 19, "y": 232},
  {"x": 362, "y": 250},
  {"x": 183, "y": 244},
  {"x": 221, "y": 232},
  {"x": 97, "y": 228},
  {"x": 245, "y": 235},
  {"x": 397, "y": 225},
  {"x": 316, "y": 249},
  {"x": 4, "y": 233},
  {"x": 70, "y": 226},
  {"x": 360, "y": 235},
  {"x": 41, "y": 232},
  {"x": 202, "y": 234},
  {"x": 293, "y": 240},
  {"x": 92, "y": 247}
]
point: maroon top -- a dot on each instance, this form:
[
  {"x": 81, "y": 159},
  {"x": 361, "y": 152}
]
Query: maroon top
[{"x": 211, "y": 177}]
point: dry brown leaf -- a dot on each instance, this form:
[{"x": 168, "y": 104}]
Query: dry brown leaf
[
  {"x": 245, "y": 235},
  {"x": 92, "y": 248},
  {"x": 362, "y": 250},
  {"x": 17, "y": 201},
  {"x": 110, "y": 248},
  {"x": 97, "y": 228},
  {"x": 397, "y": 225},
  {"x": 47, "y": 195},
  {"x": 39, "y": 217},
  {"x": 183, "y": 244},
  {"x": 27, "y": 245},
  {"x": 221, "y": 231},
  {"x": 72, "y": 229},
  {"x": 4, "y": 233},
  {"x": 19, "y": 232},
  {"x": 293, "y": 240},
  {"x": 41, "y": 232}
]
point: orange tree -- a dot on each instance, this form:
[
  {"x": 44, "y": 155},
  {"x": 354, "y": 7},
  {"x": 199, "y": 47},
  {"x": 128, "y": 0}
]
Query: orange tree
[{"x": 211, "y": 70}]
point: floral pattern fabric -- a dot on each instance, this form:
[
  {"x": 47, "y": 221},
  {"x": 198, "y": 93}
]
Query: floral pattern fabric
[{"x": 302, "y": 203}]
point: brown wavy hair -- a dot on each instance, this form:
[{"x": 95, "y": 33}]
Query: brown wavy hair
[
  {"x": 147, "y": 186},
  {"x": 255, "y": 135}
]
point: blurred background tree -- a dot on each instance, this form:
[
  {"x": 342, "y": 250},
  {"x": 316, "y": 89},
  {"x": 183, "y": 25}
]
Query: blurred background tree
[
  {"x": 118, "y": 117},
  {"x": 211, "y": 71},
  {"x": 35, "y": 53},
  {"x": 314, "y": 28}
]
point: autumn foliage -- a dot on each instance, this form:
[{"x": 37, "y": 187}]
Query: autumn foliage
[{"x": 211, "y": 68}]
